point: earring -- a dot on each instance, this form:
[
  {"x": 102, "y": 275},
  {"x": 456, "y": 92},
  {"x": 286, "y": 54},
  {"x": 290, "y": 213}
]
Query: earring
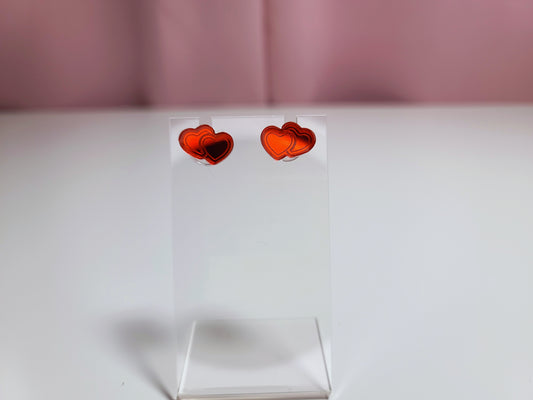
[
  {"x": 204, "y": 144},
  {"x": 288, "y": 142}
]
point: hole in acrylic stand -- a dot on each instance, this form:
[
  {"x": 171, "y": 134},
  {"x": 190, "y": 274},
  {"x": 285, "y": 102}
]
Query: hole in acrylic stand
[
  {"x": 201, "y": 162},
  {"x": 289, "y": 159}
]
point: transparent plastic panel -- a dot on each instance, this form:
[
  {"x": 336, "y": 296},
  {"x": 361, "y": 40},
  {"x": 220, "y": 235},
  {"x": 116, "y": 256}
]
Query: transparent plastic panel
[{"x": 251, "y": 263}]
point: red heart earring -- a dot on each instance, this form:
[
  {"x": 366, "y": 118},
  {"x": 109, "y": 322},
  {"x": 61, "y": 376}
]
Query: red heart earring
[
  {"x": 203, "y": 143},
  {"x": 288, "y": 142}
]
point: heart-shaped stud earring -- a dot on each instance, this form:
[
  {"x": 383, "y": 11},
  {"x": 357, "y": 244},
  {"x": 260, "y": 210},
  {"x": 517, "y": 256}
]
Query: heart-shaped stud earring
[
  {"x": 288, "y": 142},
  {"x": 203, "y": 143}
]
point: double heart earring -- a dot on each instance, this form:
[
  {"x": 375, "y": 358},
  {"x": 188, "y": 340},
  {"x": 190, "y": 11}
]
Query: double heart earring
[
  {"x": 205, "y": 145},
  {"x": 288, "y": 142},
  {"x": 285, "y": 143}
]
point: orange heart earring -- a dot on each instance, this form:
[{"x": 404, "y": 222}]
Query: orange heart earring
[
  {"x": 204, "y": 144},
  {"x": 288, "y": 142}
]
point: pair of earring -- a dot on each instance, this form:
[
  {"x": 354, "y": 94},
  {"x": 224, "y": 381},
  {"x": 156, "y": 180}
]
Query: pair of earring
[{"x": 285, "y": 143}]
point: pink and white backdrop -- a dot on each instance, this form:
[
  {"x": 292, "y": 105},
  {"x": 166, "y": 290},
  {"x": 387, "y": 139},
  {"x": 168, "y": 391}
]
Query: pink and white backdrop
[{"x": 61, "y": 53}]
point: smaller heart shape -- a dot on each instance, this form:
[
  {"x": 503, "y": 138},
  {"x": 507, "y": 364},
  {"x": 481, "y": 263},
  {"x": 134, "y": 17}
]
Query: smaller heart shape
[
  {"x": 204, "y": 144},
  {"x": 289, "y": 141},
  {"x": 276, "y": 141}
]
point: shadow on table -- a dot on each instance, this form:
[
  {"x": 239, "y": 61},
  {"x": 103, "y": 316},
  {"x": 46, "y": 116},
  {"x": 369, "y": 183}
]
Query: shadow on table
[{"x": 148, "y": 345}]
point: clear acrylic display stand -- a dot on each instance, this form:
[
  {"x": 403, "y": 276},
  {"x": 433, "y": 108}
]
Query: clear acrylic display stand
[{"x": 251, "y": 263}]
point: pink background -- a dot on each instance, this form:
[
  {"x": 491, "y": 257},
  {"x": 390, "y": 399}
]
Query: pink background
[{"x": 199, "y": 52}]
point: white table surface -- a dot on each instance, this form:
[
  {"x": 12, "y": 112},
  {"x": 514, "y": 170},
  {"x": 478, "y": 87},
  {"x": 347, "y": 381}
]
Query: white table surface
[{"x": 432, "y": 253}]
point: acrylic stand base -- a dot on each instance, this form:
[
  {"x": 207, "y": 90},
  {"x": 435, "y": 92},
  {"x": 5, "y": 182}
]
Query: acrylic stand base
[{"x": 255, "y": 359}]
